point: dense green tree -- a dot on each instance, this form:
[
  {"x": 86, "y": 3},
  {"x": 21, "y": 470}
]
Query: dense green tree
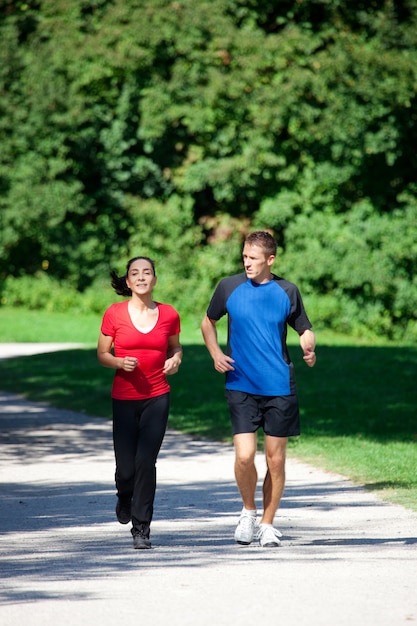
[{"x": 173, "y": 127}]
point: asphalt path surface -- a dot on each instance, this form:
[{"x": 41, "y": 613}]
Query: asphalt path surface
[{"x": 346, "y": 557}]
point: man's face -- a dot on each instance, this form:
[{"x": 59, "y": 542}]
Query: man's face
[{"x": 257, "y": 265}]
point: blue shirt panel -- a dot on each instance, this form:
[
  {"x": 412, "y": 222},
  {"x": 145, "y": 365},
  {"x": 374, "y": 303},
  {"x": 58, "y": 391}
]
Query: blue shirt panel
[{"x": 258, "y": 316}]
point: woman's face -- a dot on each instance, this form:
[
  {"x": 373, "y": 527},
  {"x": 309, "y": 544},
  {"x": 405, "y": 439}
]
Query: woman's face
[{"x": 141, "y": 278}]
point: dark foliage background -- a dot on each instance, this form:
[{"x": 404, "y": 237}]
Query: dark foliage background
[{"x": 173, "y": 128}]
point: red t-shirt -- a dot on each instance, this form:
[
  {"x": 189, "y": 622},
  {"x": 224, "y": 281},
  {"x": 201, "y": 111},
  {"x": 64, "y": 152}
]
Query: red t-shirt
[{"x": 147, "y": 380}]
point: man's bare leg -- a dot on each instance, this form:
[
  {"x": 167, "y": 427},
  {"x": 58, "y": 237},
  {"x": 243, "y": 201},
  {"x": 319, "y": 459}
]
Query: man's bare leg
[
  {"x": 246, "y": 479},
  {"x": 274, "y": 483},
  {"x": 245, "y": 469}
]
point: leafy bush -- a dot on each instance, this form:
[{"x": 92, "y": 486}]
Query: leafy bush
[
  {"x": 220, "y": 116},
  {"x": 360, "y": 266},
  {"x": 37, "y": 292},
  {"x": 42, "y": 292}
]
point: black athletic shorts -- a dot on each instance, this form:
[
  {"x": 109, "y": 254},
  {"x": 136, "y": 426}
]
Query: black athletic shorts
[{"x": 278, "y": 416}]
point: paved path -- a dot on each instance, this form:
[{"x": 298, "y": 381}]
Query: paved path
[{"x": 346, "y": 559}]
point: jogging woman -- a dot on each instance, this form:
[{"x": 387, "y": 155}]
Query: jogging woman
[{"x": 139, "y": 338}]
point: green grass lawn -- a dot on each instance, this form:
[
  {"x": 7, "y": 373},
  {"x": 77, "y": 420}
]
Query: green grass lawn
[{"x": 358, "y": 405}]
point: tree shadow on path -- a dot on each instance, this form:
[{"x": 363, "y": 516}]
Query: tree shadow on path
[{"x": 56, "y": 530}]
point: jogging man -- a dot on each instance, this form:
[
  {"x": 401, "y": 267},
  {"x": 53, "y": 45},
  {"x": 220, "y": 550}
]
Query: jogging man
[{"x": 260, "y": 384}]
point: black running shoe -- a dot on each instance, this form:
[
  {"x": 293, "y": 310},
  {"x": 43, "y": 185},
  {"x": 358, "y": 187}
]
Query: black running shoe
[
  {"x": 141, "y": 539},
  {"x": 141, "y": 543},
  {"x": 123, "y": 510}
]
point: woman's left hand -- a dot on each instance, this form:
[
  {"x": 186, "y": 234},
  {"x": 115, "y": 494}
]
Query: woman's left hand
[{"x": 172, "y": 365}]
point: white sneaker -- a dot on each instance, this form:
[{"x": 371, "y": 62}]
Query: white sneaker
[
  {"x": 269, "y": 536},
  {"x": 245, "y": 529}
]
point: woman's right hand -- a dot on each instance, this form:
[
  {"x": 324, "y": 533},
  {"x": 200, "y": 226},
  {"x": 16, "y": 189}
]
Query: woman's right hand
[{"x": 129, "y": 363}]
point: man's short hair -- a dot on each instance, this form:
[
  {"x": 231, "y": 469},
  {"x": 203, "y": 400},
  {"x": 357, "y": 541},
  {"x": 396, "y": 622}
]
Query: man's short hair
[{"x": 264, "y": 240}]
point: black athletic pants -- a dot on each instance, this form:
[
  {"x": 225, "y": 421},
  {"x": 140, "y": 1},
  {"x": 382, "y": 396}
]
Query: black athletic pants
[{"x": 138, "y": 431}]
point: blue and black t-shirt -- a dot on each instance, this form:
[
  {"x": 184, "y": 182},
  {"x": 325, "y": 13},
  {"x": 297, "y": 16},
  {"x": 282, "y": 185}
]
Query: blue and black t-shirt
[{"x": 258, "y": 315}]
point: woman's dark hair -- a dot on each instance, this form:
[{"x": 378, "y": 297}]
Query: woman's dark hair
[{"x": 119, "y": 282}]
